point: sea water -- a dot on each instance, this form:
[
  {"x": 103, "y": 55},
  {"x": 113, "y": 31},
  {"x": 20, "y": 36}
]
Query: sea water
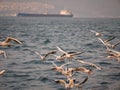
[{"x": 25, "y": 70}]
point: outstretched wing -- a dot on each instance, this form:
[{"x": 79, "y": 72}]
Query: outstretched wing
[
  {"x": 77, "y": 53},
  {"x": 96, "y": 33},
  {"x": 50, "y": 52},
  {"x": 62, "y": 82},
  {"x": 116, "y": 44},
  {"x": 109, "y": 39},
  {"x": 37, "y": 53},
  {"x": 83, "y": 69},
  {"x": 81, "y": 61},
  {"x": 93, "y": 31},
  {"x": 84, "y": 81},
  {"x": 61, "y": 50},
  {"x": 113, "y": 51},
  {"x": 8, "y": 39},
  {"x": 2, "y": 72},
  {"x": 5, "y": 55},
  {"x": 103, "y": 42},
  {"x": 53, "y": 63}
]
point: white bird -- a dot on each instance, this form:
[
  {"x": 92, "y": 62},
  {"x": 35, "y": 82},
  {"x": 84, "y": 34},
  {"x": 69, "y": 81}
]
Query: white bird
[
  {"x": 68, "y": 85},
  {"x": 8, "y": 40},
  {"x": 68, "y": 55},
  {"x": 107, "y": 44},
  {"x": 96, "y": 33},
  {"x": 113, "y": 54},
  {"x": 3, "y": 53}
]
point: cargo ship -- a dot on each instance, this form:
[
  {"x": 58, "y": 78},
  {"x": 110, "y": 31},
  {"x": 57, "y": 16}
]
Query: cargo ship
[{"x": 63, "y": 13}]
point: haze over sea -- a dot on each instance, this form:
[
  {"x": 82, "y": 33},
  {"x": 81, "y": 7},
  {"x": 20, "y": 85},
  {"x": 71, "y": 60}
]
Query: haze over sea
[{"x": 25, "y": 71}]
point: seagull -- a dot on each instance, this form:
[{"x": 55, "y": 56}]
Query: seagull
[
  {"x": 113, "y": 54},
  {"x": 71, "y": 83},
  {"x": 91, "y": 64},
  {"x": 68, "y": 55},
  {"x": 113, "y": 51},
  {"x": 68, "y": 85},
  {"x": 107, "y": 44},
  {"x": 43, "y": 57},
  {"x": 3, "y": 53},
  {"x": 96, "y": 33},
  {"x": 59, "y": 68},
  {"x": 68, "y": 72},
  {"x": 2, "y": 72},
  {"x": 9, "y": 39}
]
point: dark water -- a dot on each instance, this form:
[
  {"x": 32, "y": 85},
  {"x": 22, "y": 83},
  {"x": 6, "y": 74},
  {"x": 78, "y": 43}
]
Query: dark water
[{"x": 25, "y": 71}]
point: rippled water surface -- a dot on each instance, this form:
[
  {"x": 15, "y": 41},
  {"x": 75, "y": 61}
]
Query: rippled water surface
[{"x": 25, "y": 71}]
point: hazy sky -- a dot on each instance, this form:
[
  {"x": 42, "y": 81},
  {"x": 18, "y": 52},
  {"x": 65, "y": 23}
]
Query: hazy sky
[{"x": 80, "y": 8}]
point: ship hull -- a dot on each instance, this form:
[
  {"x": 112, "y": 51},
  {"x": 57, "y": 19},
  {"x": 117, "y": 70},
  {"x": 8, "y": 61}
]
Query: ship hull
[{"x": 42, "y": 15}]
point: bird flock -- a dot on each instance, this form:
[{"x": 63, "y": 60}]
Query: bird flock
[
  {"x": 68, "y": 69},
  {"x": 7, "y": 42},
  {"x": 64, "y": 69}
]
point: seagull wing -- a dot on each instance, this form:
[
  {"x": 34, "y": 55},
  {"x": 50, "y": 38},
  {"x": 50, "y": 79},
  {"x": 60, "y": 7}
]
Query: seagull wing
[
  {"x": 61, "y": 50},
  {"x": 2, "y": 72},
  {"x": 12, "y": 39},
  {"x": 83, "y": 69},
  {"x": 77, "y": 53},
  {"x": 109, "y": 39},
  {"x": 65, "y": 64},
  {"x": 8, "y": 39},
  {"x": 81, "y": 61},
  {"x": 5, "y": 55},
  {"x": 62, "y": 82},
  {"x": 93, "y": 31},
  {"x": 103, "y": 42},
  {"x": 84, "y": 81},
  {"x": 116, "y": 44},
  {"x": 37, "y": 53},
  {"x": 114, "y": 51},
  {"x": 50, "y": 52},
  {"x": 54, "y": 64}
]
